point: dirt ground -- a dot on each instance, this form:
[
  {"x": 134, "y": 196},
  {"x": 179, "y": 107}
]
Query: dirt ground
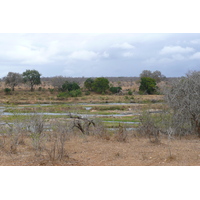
[{"x": 93, "y": 151}]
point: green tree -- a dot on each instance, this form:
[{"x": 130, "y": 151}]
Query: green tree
[
  {"x": 31, "y": 77},
  {"x": 89, "y": 83},
  {"x": 100, "y": 85},
  {"x": 148, "y": 85}
]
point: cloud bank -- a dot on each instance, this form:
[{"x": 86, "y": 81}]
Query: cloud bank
[{"x": 89, "y": 55}]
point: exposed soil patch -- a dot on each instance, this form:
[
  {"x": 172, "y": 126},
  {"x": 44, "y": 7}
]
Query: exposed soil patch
[{"x": 93, "y": 151}]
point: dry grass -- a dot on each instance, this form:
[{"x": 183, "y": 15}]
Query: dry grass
[
  {"x": 93, "y": 151},
  {"x": 135, "y": 152},
  {"x": 22, "y": 94},
  {"x": 27, "y": 97}
]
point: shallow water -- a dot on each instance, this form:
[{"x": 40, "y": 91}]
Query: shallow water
[
  {"x": 122, "y": 122},
  {"x": 73, "y": 114}
]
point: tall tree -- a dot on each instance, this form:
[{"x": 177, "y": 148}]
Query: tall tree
[
  {"x": 148, "y": 85},
  {"x": 13, "y": 79},
  {"x": 100, "y": 85},
  {"x": 146, "y": 73},
  {"x": 157, "y": 75},
  {"x": 89, "y": 83},
  {"x": 32, "y": 77}
]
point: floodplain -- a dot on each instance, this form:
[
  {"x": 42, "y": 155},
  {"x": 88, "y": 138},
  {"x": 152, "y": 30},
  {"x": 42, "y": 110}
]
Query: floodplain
[{"x": 38, "y": 128}]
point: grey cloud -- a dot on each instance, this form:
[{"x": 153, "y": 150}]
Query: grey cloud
[
  {"x": 124, "y": 45},
  {"x": 195, "y": 56},
  {"x": 83, "y": 55},
  {"x": 99, "y": 54},
  {"x": 175, "y": 49}
]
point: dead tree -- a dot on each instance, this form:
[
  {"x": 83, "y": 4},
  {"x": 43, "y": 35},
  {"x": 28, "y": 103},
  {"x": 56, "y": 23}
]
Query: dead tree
[
  {"x": 183, "y": 99},
  {"x": 83, "y": 124}
]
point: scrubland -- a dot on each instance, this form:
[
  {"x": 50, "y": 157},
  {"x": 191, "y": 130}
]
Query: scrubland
[{"x": 104, "y": 130}]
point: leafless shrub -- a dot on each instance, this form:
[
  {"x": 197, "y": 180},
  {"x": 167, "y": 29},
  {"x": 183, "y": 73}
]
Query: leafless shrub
[
  {"x": 14, "y": 132},
  {"x": 100, "y": 130},
  {"x": 56, "y": 146},
  {"x": 35, "y": 126},
  {"x": 83, "y": 124},
  {"x": 149, "y": 127},
  {"x": 170, "y": 133},
  {"x": 121, "y": 135},
  {"x": 183, "y": 99},
  {"x": 17, "y": 136},
  {"x": 61, "y": 132},
  {"x": 2, "y": 141},
  {"x": 63, "y": 127}
]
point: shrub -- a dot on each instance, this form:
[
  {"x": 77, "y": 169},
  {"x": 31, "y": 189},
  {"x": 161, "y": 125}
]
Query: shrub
[
  {"x": 67, "y": 86},
  {"x": 87, "y": 93},
  {"x": 130, "y": 92},
  {"x": 150, "y": 126},
  {"x": 126, "y": 98},
  {"x": 75, "y": 93},
  {"x": 115, "y": 90},
  {"x": 7, "y": 91},
  {"x": 121, "y": 135},
  {"x": 63, "y": 95},
  {"x": 148, "y": 85},
  {"x": 51, "y": 90}
]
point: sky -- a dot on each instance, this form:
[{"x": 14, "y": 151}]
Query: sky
[
  {"x": 95, "y": 38},
  {"x": 99, "y": 54}
]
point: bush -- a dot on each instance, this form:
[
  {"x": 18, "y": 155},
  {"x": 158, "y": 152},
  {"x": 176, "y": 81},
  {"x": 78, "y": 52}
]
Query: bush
[
  {"x": 149, "y": 126},
  {"x": 75, "y": 93},
  {"x": 51, "y": 90},
  {"x": 67, "y": 86},
  {"x": 115, "y": 90},
  {"x": 148, "y": 85},
  {"x": 87, "y": 93},
  {"x": 63, "y": 95},
  {"x": 121, "y": 135},
  {"x": 7, "y": 91},
  {"x": 130, "y": 92}
]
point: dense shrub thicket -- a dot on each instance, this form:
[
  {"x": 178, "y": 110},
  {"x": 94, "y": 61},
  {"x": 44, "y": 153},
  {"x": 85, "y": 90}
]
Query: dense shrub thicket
[{"x": 148, "y": 85}]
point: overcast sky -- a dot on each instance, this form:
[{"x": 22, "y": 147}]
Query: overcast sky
[{"x": 92, "y": 55}]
